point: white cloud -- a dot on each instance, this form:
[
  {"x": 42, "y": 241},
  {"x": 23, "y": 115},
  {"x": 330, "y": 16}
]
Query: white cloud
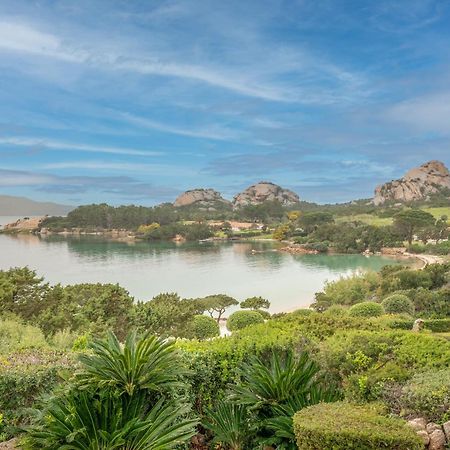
[
  {"x": 210, "y": 132},
  {"x": 19, "y": 37},
  {"x": 429, "y": 113},
  {"x": 48, "y": 144}
]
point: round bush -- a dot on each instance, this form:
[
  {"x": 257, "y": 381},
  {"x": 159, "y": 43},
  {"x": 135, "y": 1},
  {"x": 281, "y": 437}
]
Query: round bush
[
  {"x": 345, "y": 426},
  {"x": 204, "y": 327},
  {"x": 398, "y": 304},
  {"x": 242, "y": 319},
  {"x": 366, "y": 309}
]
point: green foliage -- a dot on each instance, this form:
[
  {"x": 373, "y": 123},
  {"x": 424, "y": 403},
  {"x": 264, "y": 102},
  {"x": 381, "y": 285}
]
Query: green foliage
[
  {"x": 440, "y": 248},
  {"x": 398, "y": 304},
  {"x": 275, "y": 390},
  {"x": 282, "y": 232},
  {"x": 242, "y": 319},
  {"x": 203, "y": 327},
  {"x": 366, "y": 309},
  {"x": 229, "y": 424},
  {"x": 255, "y": 303},
  {"x": 410, "y": 221},
  {"x": 216, "y": 304},
  {"x": 82, "y": 307},
  {"x": 427, "y": 395},
  {"x": 128, "y": 385},
  {"x": 363, "y": 361},
  {"x": 342, "y": 426},
  {"x": 15, "y": 336},
  {"x": 166, "y": 315},
  {"x": 24, "y": 378},
  {"x": 346, "y": 291},
  {"x": 312, "y": 220}
]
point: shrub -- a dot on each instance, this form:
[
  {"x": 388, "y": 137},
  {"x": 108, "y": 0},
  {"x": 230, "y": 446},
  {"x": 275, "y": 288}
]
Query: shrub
[
  {"x": 428, "y": 394},
  {"x": 24, "y": 378},
  {"x": 363, "y": 361},
  {"x": 14, "y": 335},
  {"x": 435, "y": 325},
  {"x": 366, "y": 309},
  {"x": 343, "y": 426},
  {"x": 242, "y": 319},
  {"x": 204, "y": 327},
  {"x": 398, "y": 304},
  {"x": 336, "y": 310}
]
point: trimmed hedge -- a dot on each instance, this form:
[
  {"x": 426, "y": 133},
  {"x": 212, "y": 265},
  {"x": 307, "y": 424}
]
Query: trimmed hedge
[
  {"x": 204, "y": 327},
  {"x": 366, "y": 309},
  {"x": 242, "y": 319},
  {"x": 435, "y": 325},
  {"x": 398, "y": 304},
  {"x": 344, "y": 426}
]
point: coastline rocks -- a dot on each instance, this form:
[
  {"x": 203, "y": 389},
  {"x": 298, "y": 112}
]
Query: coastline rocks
[
  {"x": 25, "y": 224},
  {"x": 298, "y": 250},
  {"x": 203, "y": 197},
  {"x": 433, "y": 435},
  {"x": 265, "y": 191},
  {"x": 417, "y": 184}
]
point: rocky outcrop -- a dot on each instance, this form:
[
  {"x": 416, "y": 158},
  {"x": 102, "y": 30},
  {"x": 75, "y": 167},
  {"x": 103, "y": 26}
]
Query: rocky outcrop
[
  {"x": 265, "y": 191},
  {"x": 434, "y": 436},
  {"x": 25, "y": 224},
  {"x": 417, "y": 184},
  {"x": 201, "y": 197}
]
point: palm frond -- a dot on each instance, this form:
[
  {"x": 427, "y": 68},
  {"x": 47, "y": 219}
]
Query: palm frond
[{"x": 149, "y": 363}]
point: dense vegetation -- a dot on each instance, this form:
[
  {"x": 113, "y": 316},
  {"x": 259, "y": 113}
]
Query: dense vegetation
[
  {"x": 398, "y": 289},
  {"x": 238, "y": 392},
  {"x": 354, "y": 227}
]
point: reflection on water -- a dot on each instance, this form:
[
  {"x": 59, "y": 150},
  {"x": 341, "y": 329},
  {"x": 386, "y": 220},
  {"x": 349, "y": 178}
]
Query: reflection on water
[{"x": 240, "y": 269}]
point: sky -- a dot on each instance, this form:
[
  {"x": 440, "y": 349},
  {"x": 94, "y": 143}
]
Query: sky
[{"x": 126, "y": 102}]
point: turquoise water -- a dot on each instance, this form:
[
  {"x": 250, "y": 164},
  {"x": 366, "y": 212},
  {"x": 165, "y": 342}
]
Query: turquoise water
[{"x": 240, "y": 269}]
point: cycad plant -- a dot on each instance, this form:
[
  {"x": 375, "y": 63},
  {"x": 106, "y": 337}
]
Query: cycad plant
[
  {"x": 274, "y": 392},
  {"x": 229, "y": 424},
  {"x": 118, "y": 400}
]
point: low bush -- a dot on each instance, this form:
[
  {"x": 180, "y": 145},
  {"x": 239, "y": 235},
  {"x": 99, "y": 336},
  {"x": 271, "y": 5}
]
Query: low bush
[
  {"x": 398, "y": 304},
  {"x": 366, "y": 309},
  {"x": 242, "y": 319},
  {"x": 344, "y": 426},
  {"x": 24, "y": 378},
  {"x": 15, "y": 335},
  {"x": 204, "y": 327},
  {"x": 427, "y": 395},
  {"x": 364, "y": 361},
  {"x": 435, "y": 325}
]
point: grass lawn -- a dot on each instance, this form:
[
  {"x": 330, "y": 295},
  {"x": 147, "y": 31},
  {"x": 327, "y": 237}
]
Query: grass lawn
[
  {"x": 439, "y": 212},
  {"x": 366, "y": 218}
]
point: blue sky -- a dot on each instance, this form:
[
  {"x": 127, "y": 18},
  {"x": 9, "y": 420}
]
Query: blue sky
[{"x": 135, "y": 101}]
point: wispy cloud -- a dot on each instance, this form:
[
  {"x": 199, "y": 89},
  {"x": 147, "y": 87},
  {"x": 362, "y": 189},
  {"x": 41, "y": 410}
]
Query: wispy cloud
[
  {"x": 39, "y": 144},
  {"x": 170, "y": 170},
  {"x": 122, "y": 186},
  {"x": 210, "y": 132},
  {"x": 21, "y": 37}
]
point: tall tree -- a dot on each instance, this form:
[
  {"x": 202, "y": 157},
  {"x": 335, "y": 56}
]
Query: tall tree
[{"x": 411, "y": 221}]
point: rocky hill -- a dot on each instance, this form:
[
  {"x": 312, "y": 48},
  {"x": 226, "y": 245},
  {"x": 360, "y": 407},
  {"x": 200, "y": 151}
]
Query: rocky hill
[
  {"x": 202, "y": 197},
  {"x": 417, "y": 184},
  {"x": 263, "y": 191}
]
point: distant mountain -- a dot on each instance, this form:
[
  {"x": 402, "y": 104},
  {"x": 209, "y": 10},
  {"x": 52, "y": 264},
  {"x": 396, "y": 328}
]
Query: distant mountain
[
  {"x": 21, "y": 206},
  {"x": 420, "y": 182}
]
